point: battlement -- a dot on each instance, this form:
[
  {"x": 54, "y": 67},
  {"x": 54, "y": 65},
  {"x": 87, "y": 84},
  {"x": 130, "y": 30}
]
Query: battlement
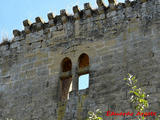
[
  {"x": 79, "y": 15},
  {"x": 104, "y": 18}
]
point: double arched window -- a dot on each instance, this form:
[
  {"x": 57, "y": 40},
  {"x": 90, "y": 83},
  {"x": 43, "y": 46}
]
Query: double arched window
[{"x": 67, "y": 73}]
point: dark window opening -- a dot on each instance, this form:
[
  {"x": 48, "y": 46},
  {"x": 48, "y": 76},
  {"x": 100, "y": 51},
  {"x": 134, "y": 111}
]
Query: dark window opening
[
  {"x": 66, "y": 65},
  {"x": 83, "y": 60},
  {"x": 66, "y": 85}
]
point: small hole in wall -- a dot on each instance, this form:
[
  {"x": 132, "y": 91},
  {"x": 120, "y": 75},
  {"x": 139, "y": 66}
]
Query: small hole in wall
[
  {"x": 47, "y": 84},
  {"x": 137, "y": 16},
  {"x": 30, "y": 44},
  {"x": 152, "y": 54}
]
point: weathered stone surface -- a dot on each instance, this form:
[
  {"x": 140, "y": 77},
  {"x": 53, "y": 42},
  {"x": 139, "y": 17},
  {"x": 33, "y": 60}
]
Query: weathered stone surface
[{"x": 119, "y": 39}]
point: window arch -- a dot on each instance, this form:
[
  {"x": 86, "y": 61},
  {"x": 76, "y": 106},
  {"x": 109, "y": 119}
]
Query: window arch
[
  {"x": 83, "y": 72},
  {"x": 66, "y": 64},
  {"x": 83, "y": 60},
  {"x": 66, "y": 78}
]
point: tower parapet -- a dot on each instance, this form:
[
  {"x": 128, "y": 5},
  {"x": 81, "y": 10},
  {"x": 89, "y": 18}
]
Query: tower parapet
[
  {"x": 114, "y": 13},
  {"x": 78, "y": 15}
]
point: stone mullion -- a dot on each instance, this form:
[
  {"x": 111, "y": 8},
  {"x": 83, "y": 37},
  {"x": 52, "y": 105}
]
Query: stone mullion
[{"x": 74, "y": 78}]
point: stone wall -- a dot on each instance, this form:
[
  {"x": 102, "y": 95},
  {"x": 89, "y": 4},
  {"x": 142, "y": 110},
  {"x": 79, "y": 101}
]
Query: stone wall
[{"x": 119, "y": 39}]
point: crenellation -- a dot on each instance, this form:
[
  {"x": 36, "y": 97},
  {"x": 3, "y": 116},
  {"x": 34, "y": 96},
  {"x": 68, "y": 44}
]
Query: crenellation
[
  {"x": 78, "y": 15},
  {"x": 39, "y": 23},
  {"x": 101, "y": 6},
  {"x": 16, "y": 33},
  {"x": 76, "y": 12},
  {"x": 27, "y": 25},
  {"x": 127, "y": 3},
  {"x": 50, "y": 16},
  {"x": 51, "y": 19},
  {"x": 100, "y": 3},
  {"x": 39, "y": 20},
  {"x": 88, "y": 10},
  {"x": 64, "y": 16},
  {"x": 120, "y": 6},
  {"x": 112, "y": 4}
]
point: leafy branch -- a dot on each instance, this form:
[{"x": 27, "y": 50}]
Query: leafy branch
[
  {"x": 94, "y": 116},
  {"x": 138, "y": 96}
]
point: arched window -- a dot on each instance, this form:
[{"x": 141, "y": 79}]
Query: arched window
[
  {"x": 83, "y": 60},
  {"x": 83, "y": 72},
  {"x": 66, "y": 78},
  {"x": 66, "y": 65}
]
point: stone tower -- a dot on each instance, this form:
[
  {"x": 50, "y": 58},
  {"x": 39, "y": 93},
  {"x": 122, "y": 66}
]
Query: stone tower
[{"x": 40, "y": 67}]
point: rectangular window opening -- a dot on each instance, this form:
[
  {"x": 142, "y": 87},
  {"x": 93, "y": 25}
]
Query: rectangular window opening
[{"x": 83, "y": 81}]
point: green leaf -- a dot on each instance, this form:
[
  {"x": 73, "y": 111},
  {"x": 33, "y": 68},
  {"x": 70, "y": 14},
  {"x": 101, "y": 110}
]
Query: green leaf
[
  {"x": 133, "y": 78},
  {"x": 134, "y": 87},
  {"x": 99, "y": 118}
]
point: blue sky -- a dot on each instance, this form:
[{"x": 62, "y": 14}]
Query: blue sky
[
  {"x": 83, "y": 81},
  {"x": 13, "y": 12}
]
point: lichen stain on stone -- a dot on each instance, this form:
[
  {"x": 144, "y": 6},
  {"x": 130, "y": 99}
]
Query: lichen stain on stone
[
  {"x": 61, "y": 110},
  {"x": 80, "y": 107}
]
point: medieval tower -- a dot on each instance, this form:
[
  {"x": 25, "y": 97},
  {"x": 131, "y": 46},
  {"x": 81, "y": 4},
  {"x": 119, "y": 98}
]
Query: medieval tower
[{"x": 41, "y": 66}]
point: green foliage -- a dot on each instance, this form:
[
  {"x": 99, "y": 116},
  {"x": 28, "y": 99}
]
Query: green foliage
[
  {"x": 138, "y": 95},
  {"x": 94, "y": 116}
]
